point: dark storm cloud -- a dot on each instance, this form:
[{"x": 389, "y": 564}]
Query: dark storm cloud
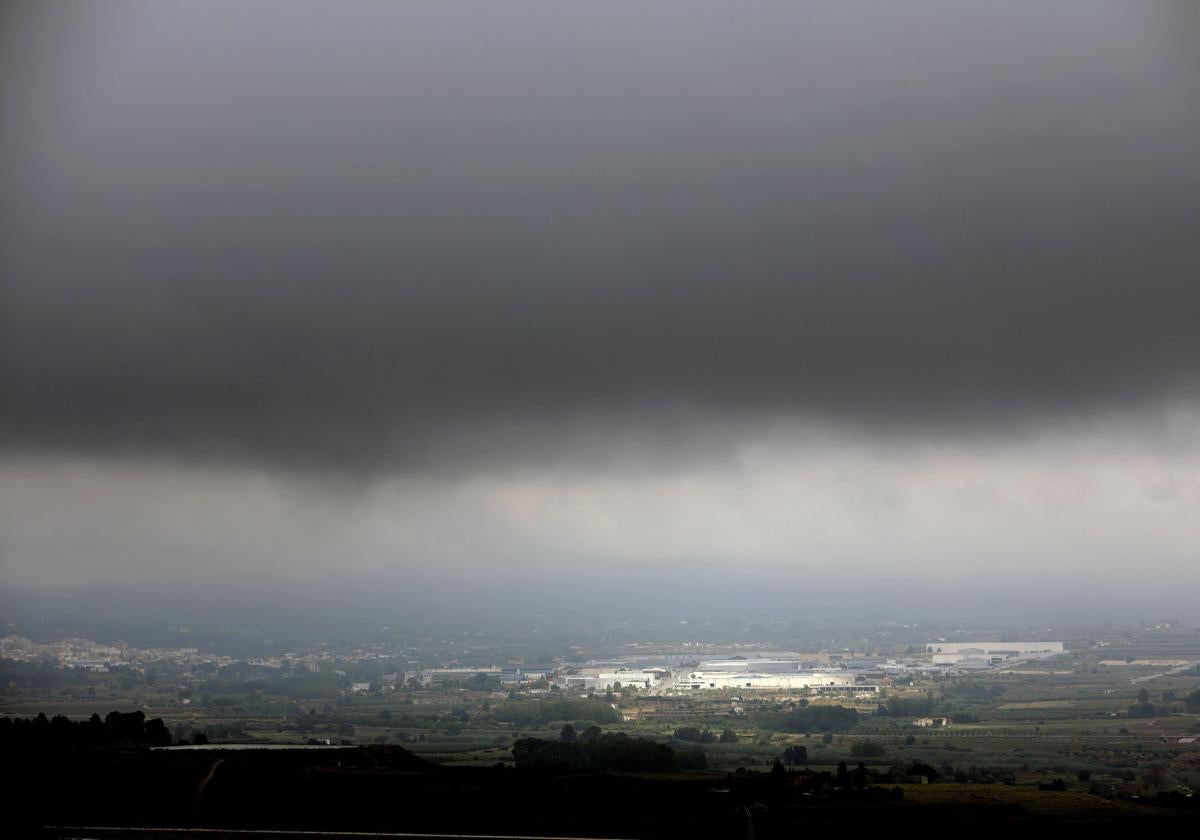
[{"x": 340, "y": 233}]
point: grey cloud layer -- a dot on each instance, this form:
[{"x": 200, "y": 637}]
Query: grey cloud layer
[{"x": 311, "y": 234}]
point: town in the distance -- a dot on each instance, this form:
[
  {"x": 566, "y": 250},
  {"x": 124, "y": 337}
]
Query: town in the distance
[
  {"x": 636, "y": 670},
  {"x": 1088, "y": 723}
]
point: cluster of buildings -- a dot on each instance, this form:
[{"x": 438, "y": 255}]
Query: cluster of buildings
[
  {"x": 511, "y": 676},
  {"x": 765, "y": 674},
  {"x": 89, "y": 655},
  {"x": 819, "y": 674},
  {"x": 608, "y": 678},
  {"x": 740, "y": 673},
  {"x": 989, "y": 654},
  {"x": 815, "y": 682},
  {"x": 660, "y": 672},
  {"x": 774, "y": 675}
]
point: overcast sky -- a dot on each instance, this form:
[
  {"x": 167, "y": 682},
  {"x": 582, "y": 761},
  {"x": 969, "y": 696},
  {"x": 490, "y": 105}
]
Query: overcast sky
[{"x": 742, "y": 303}]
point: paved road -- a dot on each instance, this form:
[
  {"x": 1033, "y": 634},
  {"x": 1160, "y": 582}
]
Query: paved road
[{"x": 1170, "y": 673}]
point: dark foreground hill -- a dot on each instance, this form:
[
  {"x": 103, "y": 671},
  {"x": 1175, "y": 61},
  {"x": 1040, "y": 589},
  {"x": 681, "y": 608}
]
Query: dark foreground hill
[{"x": 387, "y": 789}]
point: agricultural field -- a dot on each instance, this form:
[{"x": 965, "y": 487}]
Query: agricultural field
[{"x": 1111, "y": 721}]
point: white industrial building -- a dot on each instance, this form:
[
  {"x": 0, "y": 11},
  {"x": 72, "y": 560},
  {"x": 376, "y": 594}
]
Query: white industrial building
[
  {"x": 439, "y": 676},
  {"x": 819, "y": 682},
  {"x": 991, "y": 653},
  {"x": 757, "y": 666},
  {"x": 604, "y": 679}
]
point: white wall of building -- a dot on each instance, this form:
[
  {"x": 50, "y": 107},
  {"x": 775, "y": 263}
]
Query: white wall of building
[
  {"x": 714, "y": 680},
  {"x": 977, "y": 648}
]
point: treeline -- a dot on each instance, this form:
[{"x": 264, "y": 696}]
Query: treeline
[
  {"x": 907, "y": 707},
  {"x": 793, "y": 755},
  {"x": 910, "y": 707},
  {"x": 39, "y": 675},
  {"x": 693, "y": 734},
  {"x": 817, "y": 719},
  {"x": 606, "y": 752},
  {"x": 1143, "y": 708},
  {"x": 975, "y": 691},
  {"x": 300, "y": 684},
  {"x": 479, "y": 682},
  {"x": 536, "y": 712},
  {"x": 116, "y": 728}
]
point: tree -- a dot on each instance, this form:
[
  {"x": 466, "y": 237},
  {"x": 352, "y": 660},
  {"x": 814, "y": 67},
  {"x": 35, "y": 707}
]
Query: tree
[
  {"x": 867, "y": 749},
  {"x": 926, "y": 770},
  {"x": 156, "y": 733},
  {"x": 1142, "y": 710},
  {"x": 729, "y": 737},
  {"x": 567, "y": 735},
  {"x": 860, "y": 776},
  {"x": 1154, "y": 777},
  {"x": 794, "y": 755}
]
